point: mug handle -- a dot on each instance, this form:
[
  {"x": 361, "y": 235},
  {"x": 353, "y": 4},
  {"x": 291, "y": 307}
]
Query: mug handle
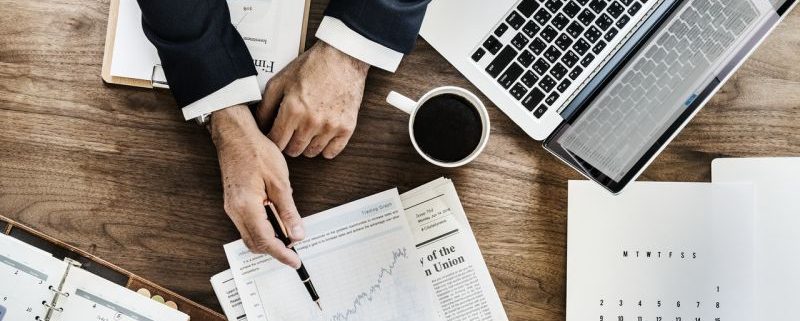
[{"x": 401, "y": 102}]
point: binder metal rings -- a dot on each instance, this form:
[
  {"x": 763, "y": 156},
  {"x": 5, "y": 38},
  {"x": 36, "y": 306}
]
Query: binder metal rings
[
  {"x": 57, "y": 292},
  {"x": 53, "y": 308}
]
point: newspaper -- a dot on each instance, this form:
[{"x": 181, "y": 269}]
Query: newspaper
[{"x": 448, "y": 254}]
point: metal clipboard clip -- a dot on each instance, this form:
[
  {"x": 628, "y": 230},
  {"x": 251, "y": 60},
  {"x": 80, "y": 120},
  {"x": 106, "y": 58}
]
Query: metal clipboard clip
[{"x": 157, "y": 78}]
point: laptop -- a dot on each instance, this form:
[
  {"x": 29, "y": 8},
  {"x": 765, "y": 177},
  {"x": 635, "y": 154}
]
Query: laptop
[{"x": 606, "y": 85}]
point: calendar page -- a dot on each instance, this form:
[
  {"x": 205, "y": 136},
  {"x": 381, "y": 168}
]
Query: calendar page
[
  {"x": 94, "y": 298},
  {"x": 26, "y": 275},
  {"x": 661, "y": 252}
]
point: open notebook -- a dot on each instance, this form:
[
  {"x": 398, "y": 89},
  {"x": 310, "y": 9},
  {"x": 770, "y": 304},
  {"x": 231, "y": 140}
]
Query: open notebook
[
  {"x": 34, "y": 285},
  {"x": 42, "y": 278}
]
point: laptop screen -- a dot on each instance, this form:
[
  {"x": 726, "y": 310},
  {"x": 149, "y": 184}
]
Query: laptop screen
[{"x": 655, "y": 87}]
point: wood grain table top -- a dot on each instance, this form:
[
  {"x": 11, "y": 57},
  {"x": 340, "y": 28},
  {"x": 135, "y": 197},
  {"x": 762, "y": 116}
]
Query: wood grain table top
[{"x": 117, "y": 172}]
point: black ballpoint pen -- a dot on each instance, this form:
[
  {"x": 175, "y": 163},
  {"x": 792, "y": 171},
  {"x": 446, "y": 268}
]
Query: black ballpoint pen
[{"x": 280, "y": 233}]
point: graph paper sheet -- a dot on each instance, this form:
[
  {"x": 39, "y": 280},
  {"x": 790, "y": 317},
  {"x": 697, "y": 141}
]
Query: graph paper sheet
[{"x": 362, "y": 259}]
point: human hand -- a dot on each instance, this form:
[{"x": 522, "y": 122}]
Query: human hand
[
  {"x": 254, "y": 172},
  {"x": 319, "y": 95}
]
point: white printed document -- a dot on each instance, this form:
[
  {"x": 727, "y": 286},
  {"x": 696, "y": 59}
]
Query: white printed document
[
  {"x": 361, "y": 258},
  {"x": 448, "y": 272},
  {"x": 661, "y": 252},
  {"x": 776, "y": 184}
]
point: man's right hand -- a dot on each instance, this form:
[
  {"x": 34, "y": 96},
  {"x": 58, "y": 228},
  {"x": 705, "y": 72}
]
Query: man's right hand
[{"x": 254, "y": 172}]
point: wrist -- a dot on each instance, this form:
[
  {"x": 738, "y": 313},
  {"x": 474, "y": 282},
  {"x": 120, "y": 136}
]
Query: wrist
[
  {"x": 235, "y": 119},
  {"x": 357, "y": 64}
]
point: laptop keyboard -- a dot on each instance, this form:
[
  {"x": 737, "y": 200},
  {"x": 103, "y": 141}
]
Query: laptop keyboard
[
  {"x": 657, "y": 85},
  {"x": 541, "y": 47}
]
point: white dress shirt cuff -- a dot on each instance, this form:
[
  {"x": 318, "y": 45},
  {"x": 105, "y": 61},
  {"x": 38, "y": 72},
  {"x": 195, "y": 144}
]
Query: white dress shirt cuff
[
  {"x": 240, "y": 91},
  {"x": 335, "y": 33}
]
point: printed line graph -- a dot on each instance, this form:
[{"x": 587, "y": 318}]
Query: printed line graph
[{"x": 367, "y": 296}]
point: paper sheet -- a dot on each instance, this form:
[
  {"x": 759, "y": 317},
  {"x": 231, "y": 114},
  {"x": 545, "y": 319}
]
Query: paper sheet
[
  {"x": 26, "y": 272},
  {"x": 450, "y": 256},
  {"x": 225, "y": 289},
  {"x": 94, "y": 298},
  {"x": 674, "y": 251},
  {"x": 362, "y": 261},
  {"x": 777, "y": 187}
]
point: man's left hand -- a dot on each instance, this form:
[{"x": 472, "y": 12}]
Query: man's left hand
[{"x": 310, "y": 107}]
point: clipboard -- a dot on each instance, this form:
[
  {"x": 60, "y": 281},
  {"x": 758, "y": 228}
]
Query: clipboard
[{"x": 157, "y": 78}]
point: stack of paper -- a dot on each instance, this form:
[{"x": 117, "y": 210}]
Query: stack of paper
[
  {"x": 726, "y": 250},
  {"x": 384, "y": 257}
]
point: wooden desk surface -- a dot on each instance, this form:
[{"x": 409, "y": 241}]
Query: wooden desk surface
[{"x": 117, "y": 172}]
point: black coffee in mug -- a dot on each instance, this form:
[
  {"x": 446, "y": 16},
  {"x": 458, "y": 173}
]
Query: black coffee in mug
[{"x": 448, "y": 128}]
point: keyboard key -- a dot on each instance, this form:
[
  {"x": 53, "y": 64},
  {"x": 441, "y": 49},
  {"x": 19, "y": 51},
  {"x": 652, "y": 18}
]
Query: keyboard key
[
  {"x": 583, "y": 2},
  {"x": 493, "y": 45},
  {"x": 599, "y": 47},
  {"x": 553, "y": 5},
  {"x": 615, "y": 9},
  {"x": 551, "y": 99},
  {"x": 548, "y": 34},
  {"x": 575, "y": 73},
  {"x": 518, "y": 91},
  {"x": 575, "y": 29},
  {"x": 570, "y": 59},
  {"x": 581, "y": 46},
  {"x": 634, "y": 8},
  {"x": 510, "y": 76},
  {"x": 542, "y": 16},
  {"x": 547, "y": 83},
  {"x": 592, "y": 34},
  {"x": 527, "y": 7},
  {"x": 610, "y": 34},
  {"x": 560, "y": 21},
  {"x": 530, "y": 29},
  {"x": 563, "y": 42},
  {"x": 604, "y": 21},
  {"x": 623, "y": 21},
  {"x": 541, "y": 66},
  {"x": 537, "y": 46},
  {"x": 501, "y": 61},
  {"x": 539, "y": 112},
  {"x": 563, "y": 85},
  {"x": 501, "y": 29},
  {"x": 478, "y": 54},
  {"x": 627, "y": 2},
  {"x": 587, "y": 60},
  {"x": 530, "y": 79},
  {"x": 532, "y": 99},
  {"x": 552, "y": 54},
  {"x": 526, "y": 59},
  {"x": 515, "y": 20},
  {"x": 558, "y": 71},
  {"x": 586, "y": 17},
  {"x": 572, "y": 9},
  {"x": 597, "y": 5},
  {"x": 519, "y": 41}
]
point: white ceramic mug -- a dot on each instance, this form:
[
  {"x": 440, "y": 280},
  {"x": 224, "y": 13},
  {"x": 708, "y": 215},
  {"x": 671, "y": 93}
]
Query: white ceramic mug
[{"x": 411, "y": 107}]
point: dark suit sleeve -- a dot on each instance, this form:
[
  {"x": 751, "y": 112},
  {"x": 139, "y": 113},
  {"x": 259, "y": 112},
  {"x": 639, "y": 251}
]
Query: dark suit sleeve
[
  {"x": 200, "y": 50},
  {"x": 392, "y": 23}
]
